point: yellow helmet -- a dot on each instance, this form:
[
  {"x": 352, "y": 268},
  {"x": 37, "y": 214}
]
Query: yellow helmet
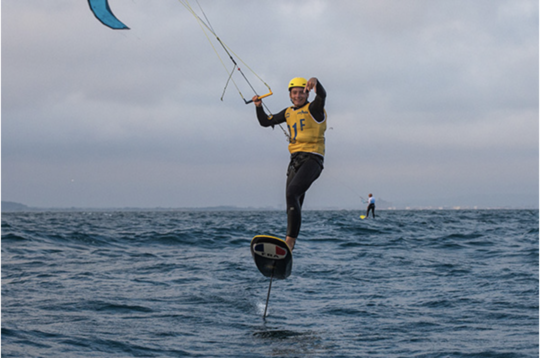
[{"x": 297, "y": 82}]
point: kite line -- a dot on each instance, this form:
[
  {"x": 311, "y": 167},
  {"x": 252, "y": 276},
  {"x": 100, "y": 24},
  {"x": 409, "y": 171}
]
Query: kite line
[{"x": 206, "y": 26}]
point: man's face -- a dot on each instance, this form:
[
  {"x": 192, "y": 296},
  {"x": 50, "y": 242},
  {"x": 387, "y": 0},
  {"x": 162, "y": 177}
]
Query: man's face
[{"x": 298, "y": 96}]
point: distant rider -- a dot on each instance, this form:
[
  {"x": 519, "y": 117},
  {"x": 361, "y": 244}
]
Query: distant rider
[
  {"x": 307, "y": 123},
  {"x": 371, "y": 205}
]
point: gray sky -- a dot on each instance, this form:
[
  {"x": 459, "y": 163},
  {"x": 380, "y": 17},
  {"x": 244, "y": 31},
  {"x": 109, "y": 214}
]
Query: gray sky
[{"x": 429, "y": 102}]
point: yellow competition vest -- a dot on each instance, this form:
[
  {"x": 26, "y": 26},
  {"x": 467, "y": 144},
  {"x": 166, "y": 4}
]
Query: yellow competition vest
[{"x": 306, "y": 134}]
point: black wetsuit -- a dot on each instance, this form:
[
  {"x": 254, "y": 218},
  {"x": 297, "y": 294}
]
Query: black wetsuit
[
  {"x": 371, "y": 207},
  {"x": 304, "y": 168}
]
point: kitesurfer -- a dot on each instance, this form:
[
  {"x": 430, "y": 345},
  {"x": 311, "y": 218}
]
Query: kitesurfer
[
  {"x": 307, "y": 123},
  {"x": 371, "y": 205}
]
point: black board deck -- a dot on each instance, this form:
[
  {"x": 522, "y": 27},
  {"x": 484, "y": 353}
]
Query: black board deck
[{"x": 272, "y": 256}]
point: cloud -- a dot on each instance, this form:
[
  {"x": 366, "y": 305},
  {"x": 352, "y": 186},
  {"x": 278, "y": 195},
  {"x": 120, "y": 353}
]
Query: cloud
[{"x": 419, "y": 93}]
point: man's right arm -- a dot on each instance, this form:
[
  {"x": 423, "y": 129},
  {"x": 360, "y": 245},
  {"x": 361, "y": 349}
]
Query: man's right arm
[{"x": 269, "y": 121}]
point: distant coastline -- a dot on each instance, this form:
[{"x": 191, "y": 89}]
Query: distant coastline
[{"x": 10, "y": 206}]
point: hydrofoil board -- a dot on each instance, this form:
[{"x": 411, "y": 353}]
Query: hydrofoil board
[{"x": 272, "y": 256}]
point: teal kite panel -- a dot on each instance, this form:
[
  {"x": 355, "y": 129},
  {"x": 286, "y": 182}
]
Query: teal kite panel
[{"x": 103, "y": 13}]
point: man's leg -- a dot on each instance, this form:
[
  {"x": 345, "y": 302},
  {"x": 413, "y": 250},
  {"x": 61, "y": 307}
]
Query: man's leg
[{"x": 298, "y": 182}]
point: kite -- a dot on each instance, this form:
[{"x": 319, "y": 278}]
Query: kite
[{"x": 103, "y": 13}]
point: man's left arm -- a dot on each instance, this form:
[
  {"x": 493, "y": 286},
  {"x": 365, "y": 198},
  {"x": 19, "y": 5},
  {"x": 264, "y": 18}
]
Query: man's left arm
[{"x": 317, "y": 106}]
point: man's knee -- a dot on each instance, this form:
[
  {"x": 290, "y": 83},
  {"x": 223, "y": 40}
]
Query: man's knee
[{"x": 293, "y": 193}]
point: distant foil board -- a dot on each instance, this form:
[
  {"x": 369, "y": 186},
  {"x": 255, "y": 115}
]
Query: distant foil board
[{"x": 272, "y": 256}]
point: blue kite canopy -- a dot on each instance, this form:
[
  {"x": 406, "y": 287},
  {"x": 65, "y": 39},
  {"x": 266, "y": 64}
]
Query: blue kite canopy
[{"x": 103, "y": 13}]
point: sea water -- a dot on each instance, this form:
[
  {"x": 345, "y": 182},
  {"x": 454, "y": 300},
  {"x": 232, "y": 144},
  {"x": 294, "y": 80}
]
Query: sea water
[{"x": 183, "y": 284}]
